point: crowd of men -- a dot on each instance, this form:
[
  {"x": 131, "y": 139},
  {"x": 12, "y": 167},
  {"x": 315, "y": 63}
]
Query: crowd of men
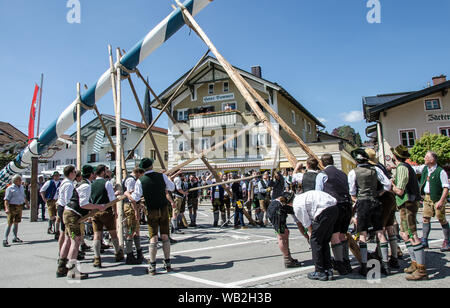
[{"x": 322, "y": 203}]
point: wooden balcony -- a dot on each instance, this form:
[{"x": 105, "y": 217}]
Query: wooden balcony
[{"x": 213, "y": 120}]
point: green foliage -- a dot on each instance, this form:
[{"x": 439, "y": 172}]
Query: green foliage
[
  {"x": 349, "y": 133},
  {"x": 5, "y": 159},
  {"x": 432, "y": 142}
]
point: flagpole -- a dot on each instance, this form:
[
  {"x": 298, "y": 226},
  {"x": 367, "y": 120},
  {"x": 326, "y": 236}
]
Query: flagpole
[{"x": 40, "y": 102}]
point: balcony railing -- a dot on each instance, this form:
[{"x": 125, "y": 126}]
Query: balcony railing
[{"x": 215, "y": 119}]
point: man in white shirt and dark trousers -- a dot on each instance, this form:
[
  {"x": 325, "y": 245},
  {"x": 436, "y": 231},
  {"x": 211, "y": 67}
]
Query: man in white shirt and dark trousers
[
  {"x": 364, "y": 182},
  {"x": 317, "y": 211}
]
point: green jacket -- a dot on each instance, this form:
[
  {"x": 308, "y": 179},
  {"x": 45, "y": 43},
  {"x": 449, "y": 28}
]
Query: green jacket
[{"x": 435, "y": 183}]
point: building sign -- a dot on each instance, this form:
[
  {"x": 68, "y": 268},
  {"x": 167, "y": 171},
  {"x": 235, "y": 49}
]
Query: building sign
[
  {"x": 443, "y": 117},
  {"x": 218, "y": 98}
]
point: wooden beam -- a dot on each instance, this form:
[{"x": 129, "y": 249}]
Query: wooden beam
[
  {"x": 206, "y": 152},
  {"x": 227, "y": 182},
  {"x": 79, "y": 127},
  {"x": 152, "y": 138},
  {"x": 164, "y": 108},
  {"x": 234, "y": 75}
]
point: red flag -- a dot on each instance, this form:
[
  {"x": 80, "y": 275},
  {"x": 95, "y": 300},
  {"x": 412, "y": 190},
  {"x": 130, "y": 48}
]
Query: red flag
[{"x": 32, "y": 115}]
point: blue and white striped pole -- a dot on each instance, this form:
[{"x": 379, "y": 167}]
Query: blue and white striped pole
[{"x": 155, "y": 38}]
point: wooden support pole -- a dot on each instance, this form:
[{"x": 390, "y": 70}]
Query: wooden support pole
[
  {"x": 111, "y": 142},
  {"x": 94, "y": 212},
  {"x": 227, "y": 182},
  {"x": 280, "y": 120},
  {"x": 79, "y": 127},
  {"x": 164, "y": 107},
  {"x": 234, "y": 75},
  {"x": 213, "y": 148},
  {"x": 34, "y": 190},
  {"x": 152, "y": 138}
]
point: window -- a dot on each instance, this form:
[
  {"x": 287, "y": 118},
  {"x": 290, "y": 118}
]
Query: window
[
  {"x": 183, "y": 146},
  {"x": 231, "y": 145},
  {"x": 444, "y": 131},
  {"x": 183, "y": 115},
  {"x": 153, "y": 154},
  {"x": 226, "y": 86},
  {"x": 211, "y": 89},
  {"x": 124, "y": 131},
  {"x": 113, "y": 131},
  {"x": 166, "y": 156},
  {"x": 407, "y": 138},
  {"x": 259, "y": 140},
  {"x": 128, "y": 153},
  {"x": 205, "y": 144},
  {"x": 432, "y": 104},
  {"x": 309, "y": 128},
  {"x": 93, "y": 158},
  {"x": 294, "y": 120},
  {"x": 229, "y": 106},
  {"x": 305, "y": 125}
]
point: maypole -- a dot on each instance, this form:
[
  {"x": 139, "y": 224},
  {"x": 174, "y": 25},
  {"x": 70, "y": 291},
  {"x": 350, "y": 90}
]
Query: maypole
[{"x": 155, "y": 38}]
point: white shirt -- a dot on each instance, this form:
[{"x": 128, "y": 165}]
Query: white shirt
[
  {"x": 309, "y": 205},
  {"x": 47, "y": 184},
  {"x": 65, "y": 192},
  {"x": 130, "y": 183},
  {"x": 138, "y": 192},
  {"x": 443, "y": 176},
  {"x": 382, "y": 178},
  {"x": 84, "y": 196}
]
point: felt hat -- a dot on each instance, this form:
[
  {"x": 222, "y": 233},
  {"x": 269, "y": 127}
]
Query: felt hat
[
  {"x": 146, "y": 163},
  {"x": 372, "y": 156},
  {"x": 360, "y": 155},
  {"x": 401, "y": 151}
]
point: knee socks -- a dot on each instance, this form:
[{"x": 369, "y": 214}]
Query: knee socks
[{"x": 153, "y": 248}]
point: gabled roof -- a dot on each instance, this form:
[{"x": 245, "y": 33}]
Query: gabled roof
[
  {"x": 95, "y": 125},
  {"x": 373, "y": 105},
  {"x": 9, "y": 133},
  {"x": 204, "y": 66}
]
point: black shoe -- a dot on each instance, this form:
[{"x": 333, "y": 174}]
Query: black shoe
[
  {"x": 385, "y": 268},
  {"x": 393, "y": 263},
  {"x": 131, "y": 260},
  {"x": 363, "y": 270},
  {"x": 139, "y": 256},
  {"x": 168, "y": 266},
  {"x": 341, "y": 268},
  {"x": 330, "y": 274},
  {"x": 172, "y": 241},
  {"x": 5, "y": 244},
  {"x": 49, "y": 231},
  {"x": 80, "y": 256},
  {"x": 348, "y": 266},
  {"x": 85, "y": 248},
  {"x": 17, "y": 240},
  {"x": 178, "y": 231},
  {"x": 321, "y": 276},
  {"x": 57, "y": 236}
]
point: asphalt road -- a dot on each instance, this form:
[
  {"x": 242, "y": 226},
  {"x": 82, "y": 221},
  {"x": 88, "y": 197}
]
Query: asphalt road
[{"x": 204, "y": 257}]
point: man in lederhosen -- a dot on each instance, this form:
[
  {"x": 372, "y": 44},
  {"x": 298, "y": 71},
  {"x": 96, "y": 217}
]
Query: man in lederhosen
[
  {"x": 217, "y": 199},
  {"x": 180, "y": 195},
  {"x": 102, "y": 192},
  {"x": 132, "y": 220},
  {"x": 363, "y": 187},
  {"x": 264, "y": 189},
  {"x": 76, "y": 202},
  {"x": 48, "y": 194},
  {"x": 309, "y": 180},
  {"x": 193, "y": 200},
  {"x": 155, "y": 187},
  {"x": 434, "y": 187},
  {"x": 389, "y": 208},
  {"x": 14, "y": 201},
  {"x": 407, "y": 191}
]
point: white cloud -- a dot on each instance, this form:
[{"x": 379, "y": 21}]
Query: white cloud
[{"x": 353, "y": 116}]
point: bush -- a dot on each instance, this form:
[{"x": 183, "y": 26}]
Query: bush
[{"x": 439, "y": 144}]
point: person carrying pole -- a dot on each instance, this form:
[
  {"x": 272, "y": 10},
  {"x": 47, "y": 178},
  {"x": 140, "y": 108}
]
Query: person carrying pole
[
  {"x": 102, "y": 192},
  {"x": 155, "y": 187}
]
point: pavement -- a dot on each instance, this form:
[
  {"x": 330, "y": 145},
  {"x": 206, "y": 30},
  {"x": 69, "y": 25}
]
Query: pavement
[{"x": 204, "y": 257}]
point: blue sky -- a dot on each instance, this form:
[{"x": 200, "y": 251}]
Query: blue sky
[{"x": 324, "y": 52}]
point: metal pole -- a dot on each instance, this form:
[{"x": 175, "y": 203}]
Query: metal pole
[
  {"x": 34, "y": 190},
  {"x": 40, "y": 103}
]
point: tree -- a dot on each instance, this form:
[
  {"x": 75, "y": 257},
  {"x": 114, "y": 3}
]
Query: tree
[
  {"x": 439, "y": 144},
  {"x": 5, "y": 159},
  {"x": 349, "y": 133}
]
